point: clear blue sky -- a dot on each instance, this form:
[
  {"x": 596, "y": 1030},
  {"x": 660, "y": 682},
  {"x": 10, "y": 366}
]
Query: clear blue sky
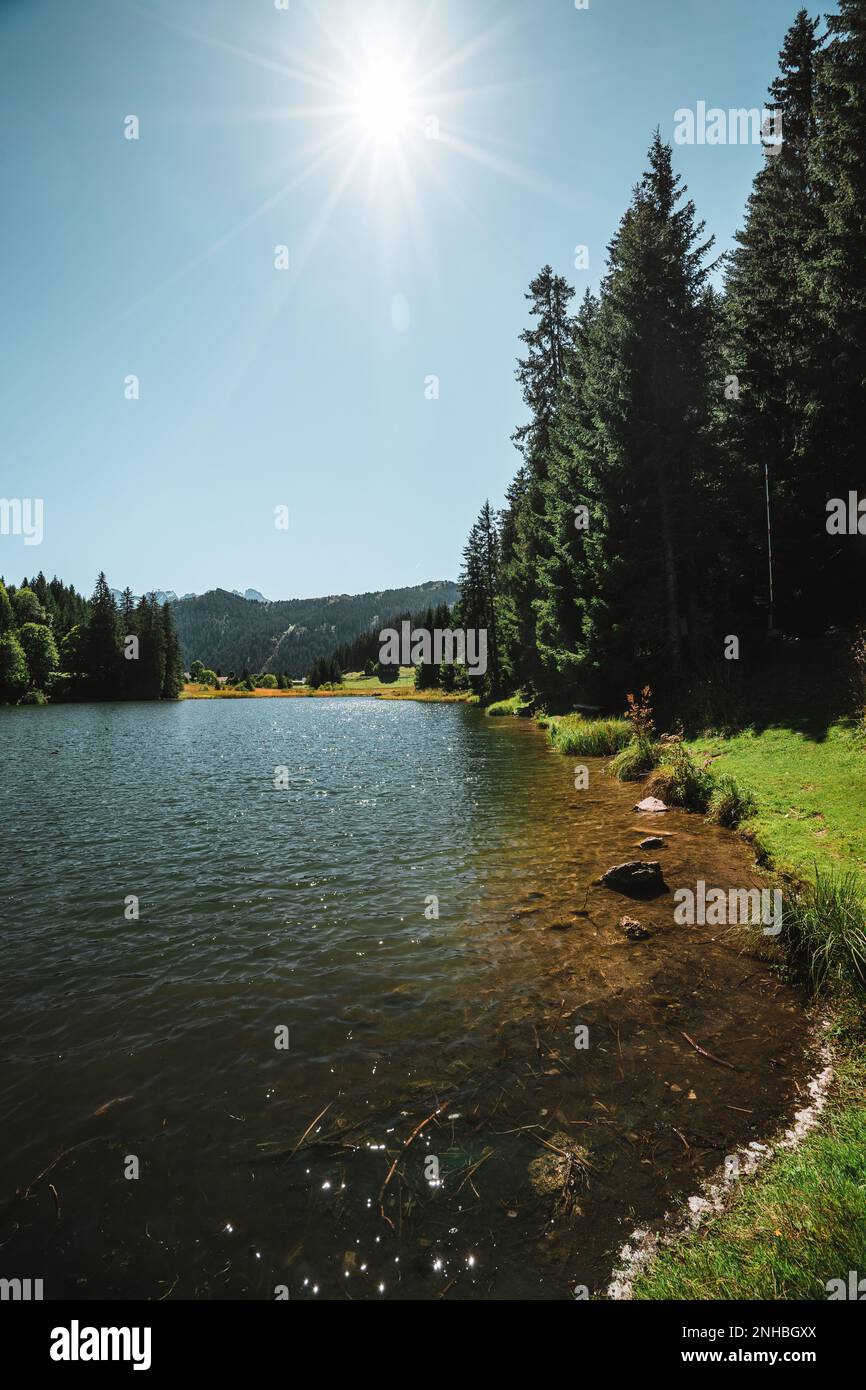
[{"x": 409, "y": 257}]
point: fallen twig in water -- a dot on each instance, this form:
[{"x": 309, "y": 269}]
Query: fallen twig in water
[
  {"x": 412, "y": 1137},
  {"x": 103, "y": 1109},
  {"x": 476, "y": 1166},
  {"x": 703, "y": 1051},
  {"x": 310, "y": 1127},
  {"x": 682, "y": 1137},
  {"x": 53, "y": 1164}
]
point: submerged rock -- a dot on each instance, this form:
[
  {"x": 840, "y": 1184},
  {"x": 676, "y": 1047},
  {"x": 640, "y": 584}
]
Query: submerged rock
[
  {"x": 638, "y": 876},
  {"x": 652, "y": 842},
  {"x": 562, "y": 1172},
  {"x": 633, "y": 930},
  {"x": 651, "y": 803}
]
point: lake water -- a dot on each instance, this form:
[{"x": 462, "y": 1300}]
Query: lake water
[{"x": 308, "y": 907}]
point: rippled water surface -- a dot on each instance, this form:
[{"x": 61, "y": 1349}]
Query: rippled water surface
[{"x": 308, "y": 907}]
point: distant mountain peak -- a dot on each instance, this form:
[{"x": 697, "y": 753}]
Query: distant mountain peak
[
  {"x": 169, "y": 595},
  {"x": 162, "y": 595}
]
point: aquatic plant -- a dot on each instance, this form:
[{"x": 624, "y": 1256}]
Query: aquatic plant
[{"x": 578, "y": 737}]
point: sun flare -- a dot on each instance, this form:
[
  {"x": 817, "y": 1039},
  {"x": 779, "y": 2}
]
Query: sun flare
[{"x": 382, "y": 103}]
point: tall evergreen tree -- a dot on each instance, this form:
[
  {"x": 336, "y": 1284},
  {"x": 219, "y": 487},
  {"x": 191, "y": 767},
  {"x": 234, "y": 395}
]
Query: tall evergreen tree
[
  {"x": 427, "y": 673},
  {"x": 642, "y": 448},
  {"x": 839, "y": 271},
  {"x": 172, "y": 680},
  {"x": 149, "y": 671},
  {"x": 524, "y": 537},
  {"x": 480, "y": 595},
  {"x": 102, "y": 643},
  {"x": 560, "y": 607},
  {"x": 778, "y": 359}
]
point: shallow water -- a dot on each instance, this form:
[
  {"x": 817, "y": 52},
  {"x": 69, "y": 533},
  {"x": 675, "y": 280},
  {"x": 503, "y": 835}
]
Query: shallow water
[{"x": 304, "y": 908}]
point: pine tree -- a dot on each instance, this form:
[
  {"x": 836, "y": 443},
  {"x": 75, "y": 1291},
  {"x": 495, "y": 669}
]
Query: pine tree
[
  {"x": 127, "y": 611},
  {"x": 102, "y": 643},
  {"x": 839, "y": 170},
  {"x": 560, "y": 608},
  {"x": 524, "y": 532},
  {"x": 172, "y": 680},
  {"x": 479, "y": 593},
  {"x": 775, "y": 412},
  {"x": 427, "y": 673},
  {"x": 642, "y": 450},
  {"x": 148, "y": 672}
]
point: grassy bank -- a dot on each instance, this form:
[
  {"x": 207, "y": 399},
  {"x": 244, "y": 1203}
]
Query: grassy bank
[
  {"x": 810, "y": 794},
  {"x": 800, "y": 1220}
]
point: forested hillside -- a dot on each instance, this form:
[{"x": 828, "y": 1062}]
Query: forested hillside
[
  {"x": 232, "y": 634},
  {"x": 673, "y": 419}
]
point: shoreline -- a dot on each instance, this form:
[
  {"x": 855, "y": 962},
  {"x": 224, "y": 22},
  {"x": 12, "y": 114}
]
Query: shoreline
[{"x": 753, "y": 1234}]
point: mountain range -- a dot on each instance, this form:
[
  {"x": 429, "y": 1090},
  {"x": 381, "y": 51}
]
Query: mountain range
[
  {"x": 169, "y": 595},
  {"x": 232, "y": 632}
]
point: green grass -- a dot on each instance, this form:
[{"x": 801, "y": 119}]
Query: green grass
[
  {"x": 635, "y": 761},
  {"x": 730, "y": 805},
  {"x": 587, "y": 738},
  {"x": 356, "y": 680},
  {"x": 825, "y": 931},
  {"x": 810, "y": 794},
  {"x": 515, "y": 705},
  {"x": 797, "y": 1223}
]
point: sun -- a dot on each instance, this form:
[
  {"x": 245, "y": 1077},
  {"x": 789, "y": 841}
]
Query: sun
[
  {"x": 382, "y": 103},
  {"x": 372, "y": 106}
]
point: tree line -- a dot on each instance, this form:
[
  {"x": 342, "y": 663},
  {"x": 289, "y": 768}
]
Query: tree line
[
  {"x": 55, "y": 643},
  {"x": 671, "y": 423}
]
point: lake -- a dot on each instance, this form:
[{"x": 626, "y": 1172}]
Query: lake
[{"x": 207, "y": 1100}]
